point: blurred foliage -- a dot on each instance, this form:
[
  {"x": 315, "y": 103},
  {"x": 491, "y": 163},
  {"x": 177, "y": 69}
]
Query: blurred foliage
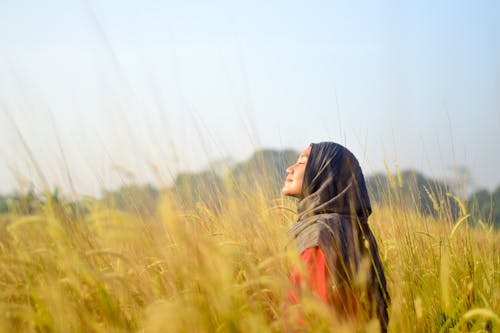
[
  {"x": 408, "y": 189},
  {"x": 140, "y": 199},
  {"x": 267, "y": 166},
  {"x": 20, "y": 203},
  {"x": 198, "y": 188},
  {"x": 485, "y": 206}
]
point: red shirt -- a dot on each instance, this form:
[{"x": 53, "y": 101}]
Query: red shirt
[
  {"x": 315, "y": 262},
  {"x": 318, "y": 281}
]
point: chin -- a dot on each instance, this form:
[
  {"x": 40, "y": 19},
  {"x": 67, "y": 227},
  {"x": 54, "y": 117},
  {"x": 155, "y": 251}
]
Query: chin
[{"x": 287, "y": 192}]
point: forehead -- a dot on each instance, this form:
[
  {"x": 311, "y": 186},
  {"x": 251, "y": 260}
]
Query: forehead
[{"x": 305, "y": 152}]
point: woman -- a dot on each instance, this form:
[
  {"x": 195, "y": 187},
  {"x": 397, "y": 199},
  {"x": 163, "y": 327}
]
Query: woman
[{"x": 336, "y": 244}]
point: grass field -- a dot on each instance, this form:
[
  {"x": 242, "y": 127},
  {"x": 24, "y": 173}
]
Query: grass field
[{"x": 226, "y": 269}]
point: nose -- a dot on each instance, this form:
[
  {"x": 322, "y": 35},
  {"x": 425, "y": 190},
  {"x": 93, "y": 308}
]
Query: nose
[{"x": 290, "y": 168}]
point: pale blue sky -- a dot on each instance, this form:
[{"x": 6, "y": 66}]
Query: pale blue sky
[{"x": 177, "y": 84}]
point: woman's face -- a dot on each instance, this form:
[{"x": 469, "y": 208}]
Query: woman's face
[{"x": 295, "y": 175}]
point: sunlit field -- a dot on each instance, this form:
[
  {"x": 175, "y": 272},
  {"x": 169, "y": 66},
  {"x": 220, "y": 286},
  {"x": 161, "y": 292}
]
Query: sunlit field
[{"x": 222, "y": 265}]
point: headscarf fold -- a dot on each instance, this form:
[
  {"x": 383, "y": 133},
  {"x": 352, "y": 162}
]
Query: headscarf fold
[{"x": 333, "y": 214}]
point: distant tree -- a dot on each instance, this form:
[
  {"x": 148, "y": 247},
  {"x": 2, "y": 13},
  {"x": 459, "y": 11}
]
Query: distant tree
[
  {"x": 4, "y": 207},
  {"x": 30, "y": 202},
  {"x": 496, "y": 207},
  {"x": 410, "y": 189},
  {"x": 23, "y": 203},
  {"x": 480, "y": 203},
  {"x": 485, "y": 206},
  {"x": 193, "y": 188},
  {"x": 265, "y": 168},
  {"x": 139, "y": 199},
  {"x": 77, "y": 208}
]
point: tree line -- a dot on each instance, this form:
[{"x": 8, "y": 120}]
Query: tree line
[{"x": 264, "y": 171}]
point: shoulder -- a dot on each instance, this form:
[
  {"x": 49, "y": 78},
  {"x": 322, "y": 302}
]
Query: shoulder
[{"x": 312, "y": 255}]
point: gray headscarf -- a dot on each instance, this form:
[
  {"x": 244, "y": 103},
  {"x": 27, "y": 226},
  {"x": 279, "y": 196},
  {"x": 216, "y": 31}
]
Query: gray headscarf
[{"x": 333, "y": 214}]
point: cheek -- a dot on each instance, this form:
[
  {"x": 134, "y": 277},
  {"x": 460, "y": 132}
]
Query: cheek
[{"x": 300, "y": 177}]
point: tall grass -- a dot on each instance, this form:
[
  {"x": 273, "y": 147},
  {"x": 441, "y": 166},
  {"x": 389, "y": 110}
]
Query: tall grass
[{"x": 224, "y": 268}]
